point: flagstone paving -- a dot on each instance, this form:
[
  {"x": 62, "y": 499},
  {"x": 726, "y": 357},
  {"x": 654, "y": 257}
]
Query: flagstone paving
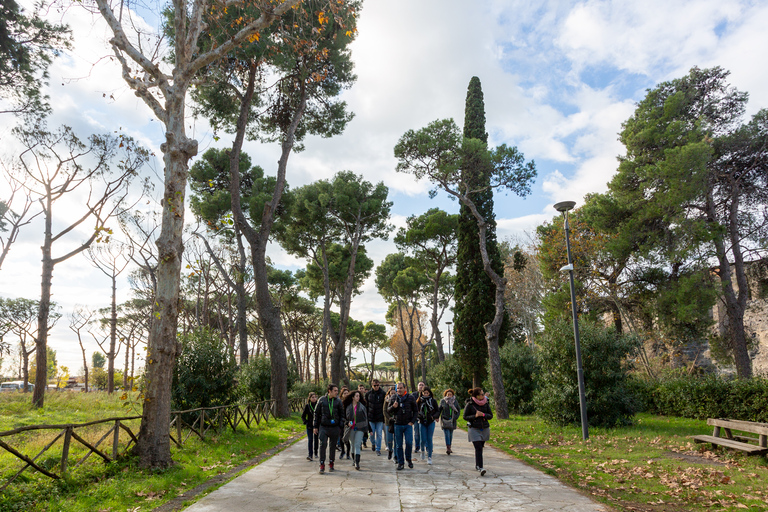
[{"x": 288, "y": 482}]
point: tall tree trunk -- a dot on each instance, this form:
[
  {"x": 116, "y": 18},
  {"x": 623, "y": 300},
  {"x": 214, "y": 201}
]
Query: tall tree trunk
[
  {"x": 153, "y": 446},
  {"x": 493, "y": 328},
  {"x": 112, "y": 338},
  {"x": 435, "y": 320},
  {"x": 242, "y": 299},
  {"x": 44, "y": 309},
  {"x": 269, "y": 315}
]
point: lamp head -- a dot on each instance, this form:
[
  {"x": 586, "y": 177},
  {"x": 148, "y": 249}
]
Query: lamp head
[{"x": 564, "y": 206}]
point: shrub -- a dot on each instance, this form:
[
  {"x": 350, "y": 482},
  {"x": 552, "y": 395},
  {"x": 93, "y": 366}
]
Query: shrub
[
  {"x": 254, "y": 379},
  {"x": 709, "y": 396},
  {"x": 448, "y": 374},
  {"x": 204, "y": 375},
  {"x": 610, "y": 397},
  {"x": 302, "y": 389},
  {"x": 518, "y": 371}
]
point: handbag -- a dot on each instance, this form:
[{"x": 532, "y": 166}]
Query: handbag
[{"x": 347, "y": 432}]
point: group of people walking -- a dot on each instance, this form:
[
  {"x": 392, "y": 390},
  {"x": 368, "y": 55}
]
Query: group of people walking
[{"x": 396, "y": 418}]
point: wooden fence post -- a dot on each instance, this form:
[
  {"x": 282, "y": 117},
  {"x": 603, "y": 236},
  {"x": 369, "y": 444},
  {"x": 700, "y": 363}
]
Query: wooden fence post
[
  {"x": 65, "y": 450},
  {"x": 178, "y": 429},
  {"x": 116, "y": 440},
  {"x": 202, "y": 423}
]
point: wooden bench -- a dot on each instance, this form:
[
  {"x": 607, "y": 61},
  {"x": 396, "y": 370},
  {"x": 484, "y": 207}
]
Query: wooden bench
[{"x": 739, "y": 441}]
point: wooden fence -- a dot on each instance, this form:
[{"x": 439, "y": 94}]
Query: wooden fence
[{"x": 196, "y": 421}]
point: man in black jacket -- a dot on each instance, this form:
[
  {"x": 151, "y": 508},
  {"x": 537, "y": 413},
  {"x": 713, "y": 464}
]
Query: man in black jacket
[
  {"x": 404, "y": 410},
  {"x": 328, "y": 418},
  {"x": 375, "y": 400}
]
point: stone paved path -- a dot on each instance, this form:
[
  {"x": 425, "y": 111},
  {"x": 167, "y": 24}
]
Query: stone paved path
[{"x": 290, "y": 483}]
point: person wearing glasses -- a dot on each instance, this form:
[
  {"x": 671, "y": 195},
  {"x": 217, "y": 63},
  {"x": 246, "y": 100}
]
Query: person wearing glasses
[
  {"x": 328, "y": 416},
  {"x": 405, "y": 412},
  {"x": 375, "y": 400}
]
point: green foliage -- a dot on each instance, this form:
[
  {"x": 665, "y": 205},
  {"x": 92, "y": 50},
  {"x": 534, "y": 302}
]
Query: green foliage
[
  {"x": 519, "y": 369},
  {"x": 254, "y": 379},
  {"x": 98, "y": 360},
  {"x": 474, "y": 291},
  {"x": 205, "y": 371},
  {"x": 27, "y": 47},
  {"x": 605, "y": 354},
  {"x": 446, "y": 375},
  {"x": 708, "y": 396},
  {"x": 303, "y": 389}
]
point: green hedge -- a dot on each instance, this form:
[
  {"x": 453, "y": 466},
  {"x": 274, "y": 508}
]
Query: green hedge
[{"x": 706, "y": 397}]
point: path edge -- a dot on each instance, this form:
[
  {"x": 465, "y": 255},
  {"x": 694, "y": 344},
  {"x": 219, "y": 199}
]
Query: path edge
[{"x": 181, "y": 502}]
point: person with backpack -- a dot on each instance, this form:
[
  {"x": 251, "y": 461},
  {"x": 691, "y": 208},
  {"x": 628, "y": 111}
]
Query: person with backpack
[
  {"x": 404, "y": 410},
  {"x": 389, "y": 423},
  {"x": 477, "y": 412},
  {"x": 344, "y": 444},
  {"x": 428, "y": 413},
  {"x": 449, "y": 416},
  {"x": 374, "y": 400},
  {"x": 328, "y": 416},
  {"x": 357, "y": 423},
  {"x": 308, "y": 418}
]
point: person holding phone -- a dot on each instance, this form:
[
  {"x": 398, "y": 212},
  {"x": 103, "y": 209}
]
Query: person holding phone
[{"x": 404, "y": 410}]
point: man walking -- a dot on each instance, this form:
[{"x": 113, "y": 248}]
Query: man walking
[
  {"x": 375, "y": 401},
  {"x": 403, "y": 409},
  {"x": 363, "y": 394},
  {"x": 328, "y": 419}
]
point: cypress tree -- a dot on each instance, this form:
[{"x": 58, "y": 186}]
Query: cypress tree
[{"x": 474, "y": 291}]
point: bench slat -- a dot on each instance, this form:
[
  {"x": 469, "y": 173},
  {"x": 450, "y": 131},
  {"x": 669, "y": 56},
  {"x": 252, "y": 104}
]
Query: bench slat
[
  {"x": 745, "y": 426},
  {"x": 730, "y": 443}
]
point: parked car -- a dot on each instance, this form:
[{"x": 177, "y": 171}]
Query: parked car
[{"x": 15, "y": 385}]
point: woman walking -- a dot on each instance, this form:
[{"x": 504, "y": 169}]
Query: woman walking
[
  {"x": 357, "y": 423},
  {"x": 343, "y": 445},
  {"x": 308, "y": 418},
  {"x": 428, "y": 413},
  {"x": 449, "y": 416},
  {"x": 389, "y": 423},
  {"x": 477, "y": 412}
]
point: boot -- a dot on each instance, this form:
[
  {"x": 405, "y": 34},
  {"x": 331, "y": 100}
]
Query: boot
[
  {"x": 448, "y": 449},
  {"x": 357, "y": 461}
]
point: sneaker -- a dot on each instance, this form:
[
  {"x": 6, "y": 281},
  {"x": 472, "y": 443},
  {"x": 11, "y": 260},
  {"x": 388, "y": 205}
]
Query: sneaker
[
  {"x": 373, "y": 448},
  {"x": 429, "y": 460},
  {"x": 410, "y": 464},
  {"x": 322, "y": 468},
  {"x": 378, "y": 452},
  {"x": 315, "y": 454},
  {"x": 482, "y": 472},
  {"x": 309, "y": 458},
  {"x": 330, "y": 468},
  {"x": 399, "y": 467}
]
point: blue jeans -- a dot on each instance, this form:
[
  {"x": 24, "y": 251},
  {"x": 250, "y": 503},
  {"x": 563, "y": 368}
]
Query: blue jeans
[
  {"x": 427, "y": 431},
  {"x": 390, "y": 439},
  {"x": 356, "y": 440},
  {"x": 448, "y": 436},
  {"x": 313, "y": 442},
  {"x": 403, "y": 431},
  {"x": 377, "y": 428},
  {"x": 417, "y": 436}
]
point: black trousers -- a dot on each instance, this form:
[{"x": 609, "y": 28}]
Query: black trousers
[
  {"x": 329, "y": 435},
  {"x": 478, "y": 453}
]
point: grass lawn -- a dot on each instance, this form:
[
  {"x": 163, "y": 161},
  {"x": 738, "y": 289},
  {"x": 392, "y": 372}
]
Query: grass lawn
[
  {"x": 121, "y": 485},
  {"x": 653, "y": 465}
]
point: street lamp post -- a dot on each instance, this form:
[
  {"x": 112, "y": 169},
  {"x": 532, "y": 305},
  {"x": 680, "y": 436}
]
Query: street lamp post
[
  {"x": 563, "y": 207},
  {"x": 449, "y": 335}
]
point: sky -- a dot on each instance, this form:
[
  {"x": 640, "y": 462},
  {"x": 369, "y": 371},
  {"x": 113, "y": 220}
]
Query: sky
[{"x": 559, "y": 78}]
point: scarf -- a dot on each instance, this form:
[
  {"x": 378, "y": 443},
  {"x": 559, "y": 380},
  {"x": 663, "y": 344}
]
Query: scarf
[{"x": 480, "y": 402}]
